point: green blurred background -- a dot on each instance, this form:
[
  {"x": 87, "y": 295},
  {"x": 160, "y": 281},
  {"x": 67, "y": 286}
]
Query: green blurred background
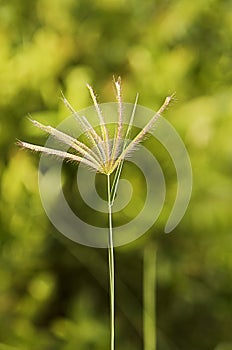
[{"x": 53, "y": 293}]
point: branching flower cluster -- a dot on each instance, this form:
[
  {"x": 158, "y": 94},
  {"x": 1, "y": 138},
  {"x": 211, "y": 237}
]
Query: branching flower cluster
[{"x": 102, "y": 154}]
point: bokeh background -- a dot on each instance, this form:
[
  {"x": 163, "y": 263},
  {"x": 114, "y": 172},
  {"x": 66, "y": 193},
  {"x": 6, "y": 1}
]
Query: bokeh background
[{"x": 53, "y": 293}]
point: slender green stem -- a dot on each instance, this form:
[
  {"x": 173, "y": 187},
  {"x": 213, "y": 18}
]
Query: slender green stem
[
  {"x": 149, "y": 298},
  {"x": 111, "y": 265}
]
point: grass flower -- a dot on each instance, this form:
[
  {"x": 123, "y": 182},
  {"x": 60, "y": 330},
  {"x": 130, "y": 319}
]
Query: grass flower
[{"x": 102, "y": 154}]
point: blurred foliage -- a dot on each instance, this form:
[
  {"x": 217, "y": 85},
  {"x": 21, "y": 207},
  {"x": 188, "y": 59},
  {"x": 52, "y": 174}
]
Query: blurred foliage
[{"x": 53, "y": 293}]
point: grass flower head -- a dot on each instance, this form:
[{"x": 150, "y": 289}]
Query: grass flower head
[{"x": 101, "y": 153}]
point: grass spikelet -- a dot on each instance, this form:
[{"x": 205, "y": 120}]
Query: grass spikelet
[
  {"x": 59, "y": 154},
  {"x": 104, "y": 131}
]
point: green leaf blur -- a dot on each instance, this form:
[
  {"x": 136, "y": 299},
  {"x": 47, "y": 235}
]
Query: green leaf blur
[{"x": 53, "y": 293}]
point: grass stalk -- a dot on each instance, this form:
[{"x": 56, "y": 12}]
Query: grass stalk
[
  {"x": 107, "y": 156},
  {"x": 111, "y": 266}
]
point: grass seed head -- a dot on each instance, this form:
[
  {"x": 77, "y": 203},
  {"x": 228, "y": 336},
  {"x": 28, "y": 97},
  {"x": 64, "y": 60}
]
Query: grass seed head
[{"x": 101, "y": 154}]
